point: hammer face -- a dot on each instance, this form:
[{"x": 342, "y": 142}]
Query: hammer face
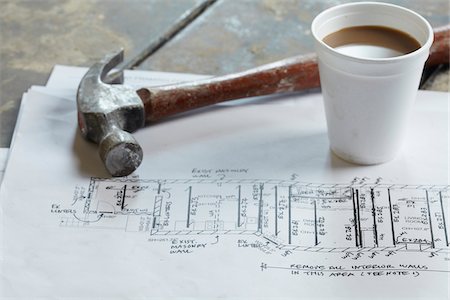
[{"x": 120, "y": 153}]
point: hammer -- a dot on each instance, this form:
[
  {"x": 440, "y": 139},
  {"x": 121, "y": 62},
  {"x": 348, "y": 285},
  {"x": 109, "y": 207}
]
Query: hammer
[{"x": 108, "y": 113}]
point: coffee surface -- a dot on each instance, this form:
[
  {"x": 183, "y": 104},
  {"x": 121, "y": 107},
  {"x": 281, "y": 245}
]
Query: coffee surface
[{"x": 372, "y": 42}]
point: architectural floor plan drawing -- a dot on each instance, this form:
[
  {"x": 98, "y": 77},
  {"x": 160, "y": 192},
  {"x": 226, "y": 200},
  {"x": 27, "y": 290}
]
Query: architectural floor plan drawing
[{"x": 360, "y": 216}]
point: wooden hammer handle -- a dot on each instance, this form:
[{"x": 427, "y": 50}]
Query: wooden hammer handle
[
  {"x": 292, "y": 74},
  {"x": 440, "y": 49}
]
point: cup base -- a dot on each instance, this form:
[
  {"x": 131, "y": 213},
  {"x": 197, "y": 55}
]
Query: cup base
[{"x": 366, "y": 161}]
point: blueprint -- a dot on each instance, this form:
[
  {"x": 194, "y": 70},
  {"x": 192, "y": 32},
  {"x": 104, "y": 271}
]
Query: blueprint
[
  {"x": 252, "y": 206},
  {"x": 358, "y": 219}
]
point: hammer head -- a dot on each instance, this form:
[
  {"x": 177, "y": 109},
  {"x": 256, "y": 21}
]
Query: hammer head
[{"x": 107, "y": 114}]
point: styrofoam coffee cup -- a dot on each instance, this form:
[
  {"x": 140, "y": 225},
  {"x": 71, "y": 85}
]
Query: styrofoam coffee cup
[{"x": 368, "y": 100}]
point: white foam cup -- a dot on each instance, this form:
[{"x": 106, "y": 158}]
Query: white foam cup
[{"x": 368, "y": 100}]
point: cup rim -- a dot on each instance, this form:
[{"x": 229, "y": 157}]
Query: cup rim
[{"x": 417, "y": 52}]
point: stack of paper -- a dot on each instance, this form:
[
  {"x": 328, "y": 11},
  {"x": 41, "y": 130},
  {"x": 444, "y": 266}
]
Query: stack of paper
[{"x": 240, "y": 200}]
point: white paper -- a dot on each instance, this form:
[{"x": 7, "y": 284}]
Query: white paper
[{"x": 241, "y": 201}]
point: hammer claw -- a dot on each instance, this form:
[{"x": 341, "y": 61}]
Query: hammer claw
[{"x": 108, "y": 63}]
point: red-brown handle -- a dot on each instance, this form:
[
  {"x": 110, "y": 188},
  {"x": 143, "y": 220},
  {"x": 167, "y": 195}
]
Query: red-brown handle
[
  {"x": 292, "y": 74},
  {"x": 440, "y": 50}
]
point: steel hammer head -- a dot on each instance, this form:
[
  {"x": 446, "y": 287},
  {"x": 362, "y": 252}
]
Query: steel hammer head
[{"x": 107, "y": 114}]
